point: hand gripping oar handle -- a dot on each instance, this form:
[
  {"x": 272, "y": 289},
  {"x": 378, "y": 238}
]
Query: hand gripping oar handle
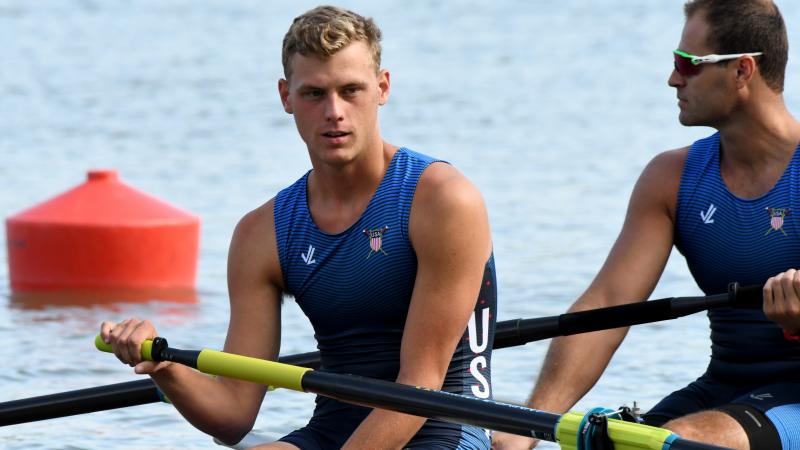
[
  {"x": 102, "y": 398},
  {"x": 406, "y": 399},
  {"x": 521, "y": 331},
  {"x": 269, "y": 373}
]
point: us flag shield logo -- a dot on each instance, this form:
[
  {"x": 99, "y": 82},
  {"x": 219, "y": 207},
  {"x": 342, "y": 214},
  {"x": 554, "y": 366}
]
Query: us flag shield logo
[
  {"x": 375, "y": 236},
  {"x": 776, "y": 216}
]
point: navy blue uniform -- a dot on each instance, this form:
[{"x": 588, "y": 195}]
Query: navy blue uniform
[
  {"x": 726, "y": 238},
  {"x": 355, "y": 287}
]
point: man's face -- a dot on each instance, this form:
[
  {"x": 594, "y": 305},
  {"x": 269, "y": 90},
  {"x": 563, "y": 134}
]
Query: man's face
[
  {"x": 335, "y": 102},
  {"x": 707, "y": 97}
]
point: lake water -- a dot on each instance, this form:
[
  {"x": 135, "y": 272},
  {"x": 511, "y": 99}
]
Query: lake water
[{"x": 551, "y": 107}]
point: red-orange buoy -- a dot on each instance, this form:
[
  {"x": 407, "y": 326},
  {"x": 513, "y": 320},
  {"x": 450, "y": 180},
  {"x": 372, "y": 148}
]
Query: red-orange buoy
[{"x": 102, "y": 234}]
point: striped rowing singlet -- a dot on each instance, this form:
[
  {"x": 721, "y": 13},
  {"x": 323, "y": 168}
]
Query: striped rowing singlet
[
  {"x": 355, "y": 287},
  {"x": 726, "y": 238}
]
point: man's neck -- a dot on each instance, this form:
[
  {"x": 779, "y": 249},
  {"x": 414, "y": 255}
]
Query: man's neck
[
  {"x": 338, "y": 196},
  {"x": 761, "y": 134},
  {"x": 756, "y": 147}
]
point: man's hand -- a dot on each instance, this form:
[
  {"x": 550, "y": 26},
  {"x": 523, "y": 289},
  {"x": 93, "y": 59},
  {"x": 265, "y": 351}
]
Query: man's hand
[
  {"x": 126, "y": 340},
  {"x": 782, "y": 300}
]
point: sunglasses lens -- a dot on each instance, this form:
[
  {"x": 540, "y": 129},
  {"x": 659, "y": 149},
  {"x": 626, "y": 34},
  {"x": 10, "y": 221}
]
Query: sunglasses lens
[{"x": 685, "y": 67}]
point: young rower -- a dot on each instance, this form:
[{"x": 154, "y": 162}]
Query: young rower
[
  {"x": 729, "y": 204},
  {"x": 386, "y": 250}
]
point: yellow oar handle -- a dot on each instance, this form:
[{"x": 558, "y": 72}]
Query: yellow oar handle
[
  {"x": 269, "y": 373},
  {"x": 147, "y": 347},
  {"x": 212, "y": 362}
]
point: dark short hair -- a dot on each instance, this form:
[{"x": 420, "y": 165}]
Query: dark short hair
[{"x": 744, "y": 26}]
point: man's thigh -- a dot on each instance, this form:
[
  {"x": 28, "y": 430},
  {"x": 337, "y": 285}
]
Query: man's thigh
[{"x": 770, "y": 415}]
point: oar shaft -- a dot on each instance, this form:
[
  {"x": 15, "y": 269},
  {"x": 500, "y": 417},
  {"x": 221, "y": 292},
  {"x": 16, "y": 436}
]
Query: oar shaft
[
  {"x": 508, "y": 333},
  {"x": 401, "y": 398},
  {"x": 82, "y": 401},
  {"x": 522, "y": 331},
  {"x": 432, "y": 404},
  {"x": 103, "y": 398},
  {"x": 361, "y": 390}
]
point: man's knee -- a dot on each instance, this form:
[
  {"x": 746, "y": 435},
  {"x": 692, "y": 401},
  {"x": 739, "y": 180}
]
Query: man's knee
[
  {"x": 687, "y": 427},
  {"x": 713, "y": 427}
]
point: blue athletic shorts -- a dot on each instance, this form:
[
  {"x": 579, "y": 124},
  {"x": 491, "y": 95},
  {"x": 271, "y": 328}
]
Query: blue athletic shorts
[{"x": 770, "y": 415}]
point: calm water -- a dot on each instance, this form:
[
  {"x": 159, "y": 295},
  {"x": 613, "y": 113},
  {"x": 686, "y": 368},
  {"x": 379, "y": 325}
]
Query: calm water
[{"x": 551, "y": 107}]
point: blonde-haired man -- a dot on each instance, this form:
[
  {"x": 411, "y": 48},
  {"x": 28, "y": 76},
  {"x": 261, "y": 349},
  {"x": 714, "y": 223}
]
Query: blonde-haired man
[{"x": 386, "y": 250}]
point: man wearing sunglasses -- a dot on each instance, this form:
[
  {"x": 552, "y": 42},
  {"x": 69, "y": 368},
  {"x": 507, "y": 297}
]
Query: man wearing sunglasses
[{"x": 728, "y": 204}]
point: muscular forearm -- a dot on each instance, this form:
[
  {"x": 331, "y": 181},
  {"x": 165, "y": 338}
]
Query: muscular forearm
[
  {"x": 572, "y": 366},
  {"x": 384, "y": 430},
  {"x": 209, "y": 404}
]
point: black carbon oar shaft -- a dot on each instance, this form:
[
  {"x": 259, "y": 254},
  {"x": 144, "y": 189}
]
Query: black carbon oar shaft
[
  {"x": 82, "y": 401},
  {"x": 522, "y": 331}
]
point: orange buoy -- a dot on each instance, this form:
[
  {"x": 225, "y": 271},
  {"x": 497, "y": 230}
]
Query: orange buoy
[{"x": 102, "y": 234}]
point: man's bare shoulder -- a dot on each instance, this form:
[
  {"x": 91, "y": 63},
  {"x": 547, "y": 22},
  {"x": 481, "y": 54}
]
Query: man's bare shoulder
[
  {"x": 447, "y": 203},
  {"x": 256, "y": 229},
  {"x": 443, "y": 186},
  {"x": 254, "y": 251},
  {"x": 257, "y": 224},
  {"x": 664, "y": 170},
  {"x": 660, "y": 181},
  {"x": 669, "y": 161}
]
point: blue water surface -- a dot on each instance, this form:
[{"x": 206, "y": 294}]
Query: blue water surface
[{"x": 552, "y": 108}]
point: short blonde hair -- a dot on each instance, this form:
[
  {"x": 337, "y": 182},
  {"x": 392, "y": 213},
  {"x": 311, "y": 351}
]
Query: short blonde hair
[{"x": 325, "y": 30}]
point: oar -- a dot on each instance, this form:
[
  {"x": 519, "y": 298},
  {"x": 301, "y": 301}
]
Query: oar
[
  {"x": 413, "y": 400},
  {"x": 102, "y": 398},
  {"x": 507, "y": 334},
  {"x": 521, "y": 331}
]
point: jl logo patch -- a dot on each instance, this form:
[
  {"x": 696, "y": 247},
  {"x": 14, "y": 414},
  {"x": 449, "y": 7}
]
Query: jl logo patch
[
  {"x": 375, "y": 240},
  {"x": 776, "y": 216}
]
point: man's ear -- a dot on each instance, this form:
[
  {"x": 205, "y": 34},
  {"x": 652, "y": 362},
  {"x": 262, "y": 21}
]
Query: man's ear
[
  {"x": 384, "y": 85},
  {"x": 745, "y": 70},
  {"x": 283, "y": 91}
]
